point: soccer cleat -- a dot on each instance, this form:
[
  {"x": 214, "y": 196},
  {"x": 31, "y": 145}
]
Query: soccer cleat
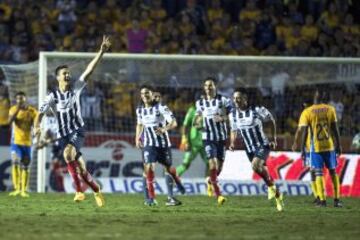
[
  {"x": 14, "y": 193},
  {"x": 338, "y": 203},
  {"x": 316, "y": 201},
  {"x": 271, "y": 192},
  {"x": 280, "y": 203},
  {"x": 99, "y": 199},
  {"x": 79, "y": 196},
  {"x": 171, "y": 201},
  {"x": 221, "y": 200},
  {"x": 210, "y": 191},
  {"x": 150, "y": 202},
  {"x": 24, "y": 194},
  {"x": 321, "y": 203}
]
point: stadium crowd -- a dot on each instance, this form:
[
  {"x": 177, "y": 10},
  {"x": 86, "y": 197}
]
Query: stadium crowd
[{"x": 230, "y": 27}]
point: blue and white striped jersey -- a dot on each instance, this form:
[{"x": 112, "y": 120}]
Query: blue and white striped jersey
[
  {"x": 152, "y": 118},
  {"x": 66, "y": 108},
  {"x": 208, "y": 109},
  {"x": 249, "y": 124}
]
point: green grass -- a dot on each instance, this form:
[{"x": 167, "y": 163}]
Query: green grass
[{"x": 55, "y": 216}]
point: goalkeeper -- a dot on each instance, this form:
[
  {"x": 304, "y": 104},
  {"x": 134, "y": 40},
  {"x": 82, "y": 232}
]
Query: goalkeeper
[{"x": 191, "y": 142}]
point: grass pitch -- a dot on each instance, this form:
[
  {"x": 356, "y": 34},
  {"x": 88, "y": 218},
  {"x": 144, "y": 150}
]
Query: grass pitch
[{"x": 56, "y": 216}]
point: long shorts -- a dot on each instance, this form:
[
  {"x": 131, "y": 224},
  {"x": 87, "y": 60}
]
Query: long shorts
[
  {"x": 21, "y": 151},
  {"x": 318, "y": 160},
  {"x": 261, "y": 152},
  {"x": 75, "y": 138},
  {"x": 161, "y": 155},
  {"x": 215, "y": 149}
]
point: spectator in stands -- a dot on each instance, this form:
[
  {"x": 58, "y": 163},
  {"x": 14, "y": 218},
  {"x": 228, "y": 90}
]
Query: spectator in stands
[
  {"x": 197, "y": 16},
  {"x": 67, "y": 16},
  {"x": 136, "y": 37},
  {"x": 265, "y": 32}
]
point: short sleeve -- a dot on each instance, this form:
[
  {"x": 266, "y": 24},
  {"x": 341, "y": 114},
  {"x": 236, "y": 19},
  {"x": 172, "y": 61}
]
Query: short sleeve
[
  {"x": 332, "y": 115},
  {"x": 49, "y": 100},
  {"x": 198, "y": 108},
  {"x": 232, "y": 121},
  {"x": 303, "y": 121},
  {"x": 264, "y": 113},
  {"x": 165, "y": 111},
  {"x": 227, "y": 104},
  {"x": 138, "y": 116},
  {"x": 12, "y": 110}
]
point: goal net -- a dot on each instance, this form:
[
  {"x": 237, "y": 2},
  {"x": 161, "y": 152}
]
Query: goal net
[{"x": 282, "y": 84}]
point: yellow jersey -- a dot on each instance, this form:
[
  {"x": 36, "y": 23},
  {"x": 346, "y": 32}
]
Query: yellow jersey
[
  {"x": 21, "y": 127},
  {"x": 4, "y": 111},
  {"x": 319, "y": 118}
]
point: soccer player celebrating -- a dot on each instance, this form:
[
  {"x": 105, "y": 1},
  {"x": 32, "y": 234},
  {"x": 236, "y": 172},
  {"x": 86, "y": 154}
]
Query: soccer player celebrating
[
  {"x": 154, "y": 120},
  {"x": 65, "y": 105},
  {"x": 22, "y": 117},
  {"x": 213, "y": 110},
  {"x": 191, "y": 142},
  {"x": 320, "y": 120},
  {"x": 248, "y": 121}
]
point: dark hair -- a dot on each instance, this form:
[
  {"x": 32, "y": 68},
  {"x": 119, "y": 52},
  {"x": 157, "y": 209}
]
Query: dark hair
[
  {"x": 20, "y": 93},
  {"x": 243, "y": 92},
  {"x": 57, "y": 70},
  {"x": 210, "y": 79},
  {"x": 147, "y": 87}
]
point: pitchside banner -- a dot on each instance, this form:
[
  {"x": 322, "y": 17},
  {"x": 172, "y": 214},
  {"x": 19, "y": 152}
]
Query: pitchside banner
[{"x": 117, "y": 165}]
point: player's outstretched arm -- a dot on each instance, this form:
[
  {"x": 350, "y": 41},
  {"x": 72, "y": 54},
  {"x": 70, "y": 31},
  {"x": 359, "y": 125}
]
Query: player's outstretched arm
[
  {"x": 139, "y": 130},
  {"x": 37, "y": 122},
  {"x": 105, "y": 45},
  {"x": 233, "y": 135}
]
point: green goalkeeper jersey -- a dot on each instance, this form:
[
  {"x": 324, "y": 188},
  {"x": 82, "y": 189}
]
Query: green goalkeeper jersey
[{"x": 195, "y": 138}]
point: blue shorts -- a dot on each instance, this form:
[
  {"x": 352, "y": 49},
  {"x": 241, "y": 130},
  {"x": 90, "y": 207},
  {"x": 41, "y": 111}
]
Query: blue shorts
[
  {"x": 215, "y": 149},
  {"x": 319, "y": 159},
  {"x": 260, "y": 152},
  {"x": 75, "y": 138},
  {"x": 307, "y": 160},
  {"x": 157, "y": 154},
  {"x": 21, "y": 151}
]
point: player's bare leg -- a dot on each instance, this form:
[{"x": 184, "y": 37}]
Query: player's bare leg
[
  {"x": 172, "y": 172},
  {"x": 259, "y": 167}
]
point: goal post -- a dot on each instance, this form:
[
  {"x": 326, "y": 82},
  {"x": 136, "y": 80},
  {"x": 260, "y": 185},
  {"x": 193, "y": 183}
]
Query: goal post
[{"x": 179, "y": 78}]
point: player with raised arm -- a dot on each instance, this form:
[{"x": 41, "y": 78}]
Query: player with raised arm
[
  {"x": 324, "y": 143},
  {"x": 248, "y": 120},
  {"x": 211, "y": 117},
  {"x": 154, "y": 120},
  {"x": 64, "y": 102},
  {"x": 22, "y": 117}
]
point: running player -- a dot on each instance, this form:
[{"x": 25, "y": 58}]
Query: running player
[
  {"x": 321, "y": 123},
  {"x": 65, "y": 105},
  {"x": 248, "y": 120},
  {"x": 154, "y": 120},
  {"x": 22, "y": 117},
  {"x": 191, "y": 142},
  {"x": 213, "y": 110}
]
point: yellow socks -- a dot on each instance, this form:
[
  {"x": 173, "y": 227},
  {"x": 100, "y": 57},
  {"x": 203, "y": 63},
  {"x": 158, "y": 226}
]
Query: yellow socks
[
  {"x": 320, "y": 187},
  {"x": 336, "y": 185},
  {"x": 24, "y": 179},
  {"x": 314, "y": 188},
  {"x": 15, "y": 174}
]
